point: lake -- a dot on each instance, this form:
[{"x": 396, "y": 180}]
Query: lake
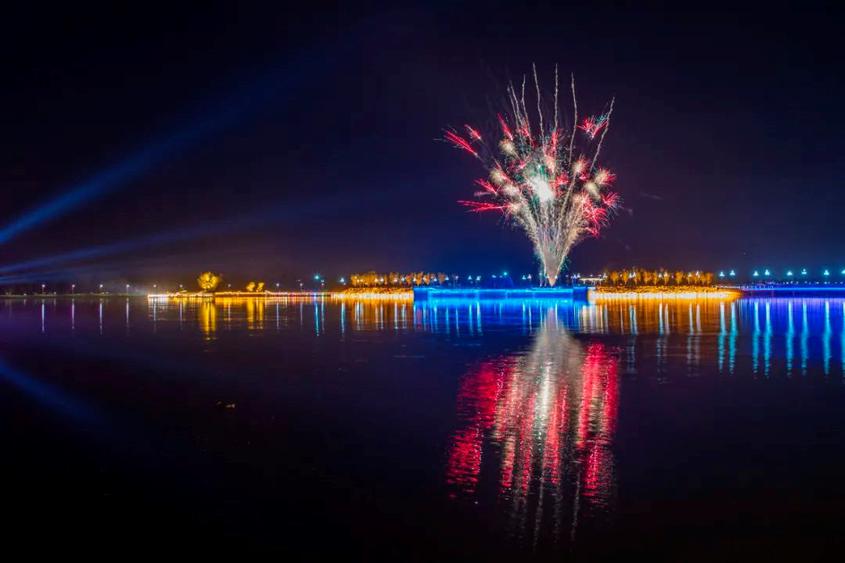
[{"x": 503, "y": 430}]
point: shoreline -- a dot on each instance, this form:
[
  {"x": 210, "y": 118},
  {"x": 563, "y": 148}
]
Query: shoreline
[{"x": 426, "y": 292}]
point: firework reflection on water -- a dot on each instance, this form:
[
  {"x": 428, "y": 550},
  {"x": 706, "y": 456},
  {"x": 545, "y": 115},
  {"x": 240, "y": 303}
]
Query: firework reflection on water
[{"x": 540, "y": 426}]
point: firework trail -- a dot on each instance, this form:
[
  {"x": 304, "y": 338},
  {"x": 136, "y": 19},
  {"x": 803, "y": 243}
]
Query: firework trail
[{"x": 543, "y": 175}]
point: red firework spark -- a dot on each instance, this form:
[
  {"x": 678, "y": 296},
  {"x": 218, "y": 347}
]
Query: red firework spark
[
  {"x": 459, "y": 142},
  {"x": 593, "y": 125},
  {"x": 610, "y": 199},
  {"x": 562, "y": 179},
  {"x": 480, "y": 206},
  {"x": 487, "y": 186},
  {"x": 506, "y": 131},
  {"x": 473, "y": 134},
  {"x": 525, "y": 132}
]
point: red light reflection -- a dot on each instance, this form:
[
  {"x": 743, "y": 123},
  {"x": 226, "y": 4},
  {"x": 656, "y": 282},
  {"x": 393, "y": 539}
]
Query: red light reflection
[{"x": 539, "y": 423}]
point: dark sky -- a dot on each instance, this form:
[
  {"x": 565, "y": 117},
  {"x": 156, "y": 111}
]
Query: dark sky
[{"x": 305, "y": 138}]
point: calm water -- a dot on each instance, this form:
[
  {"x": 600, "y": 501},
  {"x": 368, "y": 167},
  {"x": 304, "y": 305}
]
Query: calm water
[{"x": 496, "y": 430}]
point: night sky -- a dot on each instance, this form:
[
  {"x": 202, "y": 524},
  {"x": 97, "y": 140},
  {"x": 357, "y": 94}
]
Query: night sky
[{"x": 276, "y": 142}]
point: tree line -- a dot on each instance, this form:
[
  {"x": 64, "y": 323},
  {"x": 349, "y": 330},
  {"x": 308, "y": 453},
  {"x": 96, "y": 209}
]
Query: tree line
[
  {"x": 395, "y": 279},
  {"x": 636, "y": 277}
]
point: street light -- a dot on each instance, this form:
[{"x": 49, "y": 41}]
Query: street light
[
  {"x": 43, "y": 286},
  {"x": 72, "y": 288}
]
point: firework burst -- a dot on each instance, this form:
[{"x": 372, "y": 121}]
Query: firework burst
[{"x": 543, "y": 175}]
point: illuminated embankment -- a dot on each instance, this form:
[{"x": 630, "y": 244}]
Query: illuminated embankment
[
  {"x": 402, "y": 294},
  {"x": 657, "y": 292},
  {"x": 357, "y": 294},
  {"x": 435, "y": 293},
  {"x": 198, "y": 295}
]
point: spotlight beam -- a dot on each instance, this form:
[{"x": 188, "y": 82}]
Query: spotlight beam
[
  {"x": 291, "y": 214},
  {"x": 228, "y": 110},
  {"x": 47, "y": 395},
  {"x": 58, "y": 275},
  {"x": 106, "y": 250}
]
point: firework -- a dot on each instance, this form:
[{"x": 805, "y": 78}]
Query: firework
[{"x": 543, "y": 176}]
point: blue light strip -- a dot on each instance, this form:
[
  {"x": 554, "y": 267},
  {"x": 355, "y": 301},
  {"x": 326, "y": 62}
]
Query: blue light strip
[{"x": 423, "y": 293}]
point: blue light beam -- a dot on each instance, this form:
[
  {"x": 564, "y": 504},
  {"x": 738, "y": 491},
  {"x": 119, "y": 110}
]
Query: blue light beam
[
  {"x": 45, "y": 394},
  {"x": 227, "y": 111},
  {"x": 291, "y": 214}
]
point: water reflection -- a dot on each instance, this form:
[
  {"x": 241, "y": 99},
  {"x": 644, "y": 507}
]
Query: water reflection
[
  {"x": 762, "y": 337},
  {"x": 208, "y": 318},
  {"x": 534, "y": 436},
  {"x": 539, "y": 425}
]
